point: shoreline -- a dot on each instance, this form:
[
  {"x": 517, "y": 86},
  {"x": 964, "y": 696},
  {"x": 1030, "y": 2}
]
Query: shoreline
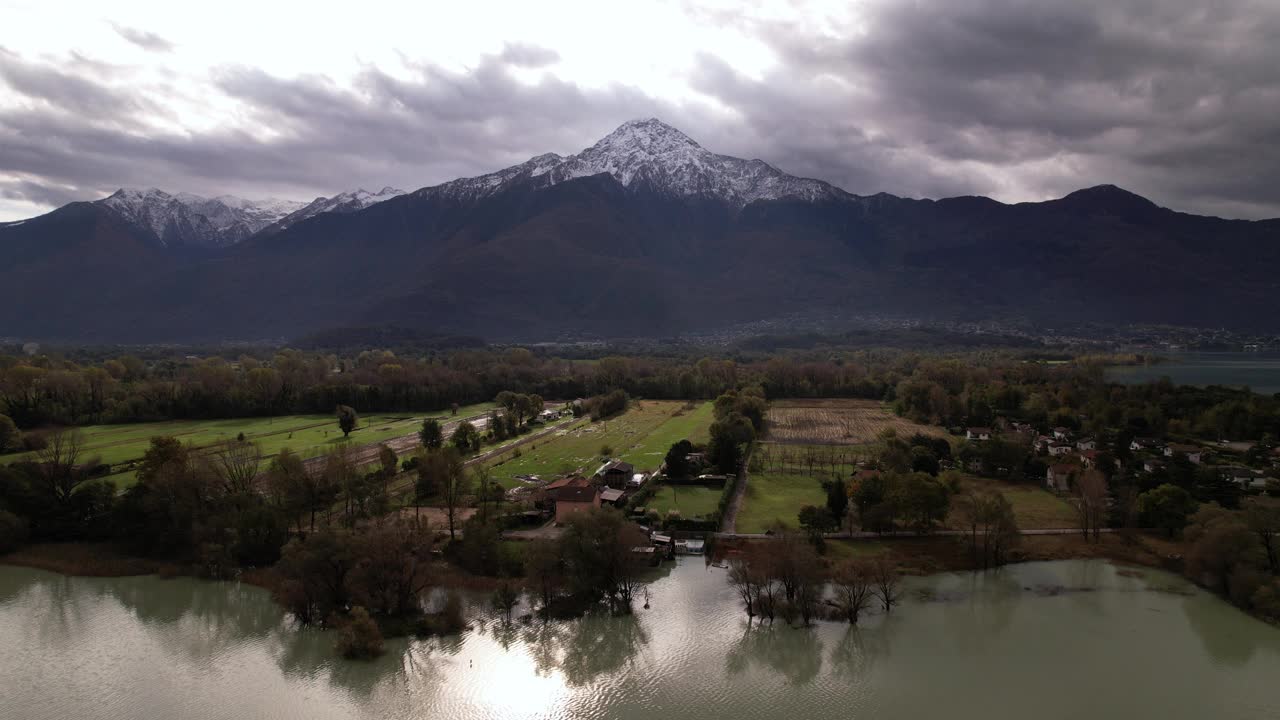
[
  {"x": 106, "y": 560},
  {"x": 914, "y": 556}
]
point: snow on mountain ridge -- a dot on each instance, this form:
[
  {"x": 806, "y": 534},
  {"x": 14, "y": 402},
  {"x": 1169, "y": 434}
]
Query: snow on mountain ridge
[
  {"x": 194, "y": 220},
  {"x": 653, "y": 154},
  {"x": 346, "y": 202}
]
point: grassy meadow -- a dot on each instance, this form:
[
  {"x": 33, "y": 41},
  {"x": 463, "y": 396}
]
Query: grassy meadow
[
  {"x": 693, "y": 501},
  {"x": 308, "y": 435},
  {"x": 641, "y": 435},
  {"x": 777, "y": 496}
]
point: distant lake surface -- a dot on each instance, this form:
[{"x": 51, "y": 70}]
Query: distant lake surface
[
  {"x": 1074, "y": 640},
  {"x": 1258, "y": 371}
]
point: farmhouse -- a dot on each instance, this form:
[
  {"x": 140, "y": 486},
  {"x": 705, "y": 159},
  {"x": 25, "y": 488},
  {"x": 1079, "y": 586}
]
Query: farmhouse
[
  {"x": 977, "y": 433},
  {"x": 1061, "y": 433},
  {"x": 1059, "y": 449},
  {"x": 1059, "y": 477},
  {"x": 1192, "y": 452},
  {"x": 1246, "y": 478},
  {"x": 572, "y": 495},
  {"x": 1089, "y": 458},
  {"x": 1084, "y": 444},
  {"x": 615, "y": 473}
]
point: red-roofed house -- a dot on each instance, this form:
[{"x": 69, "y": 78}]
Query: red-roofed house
[{"x": 572, "y": 495}]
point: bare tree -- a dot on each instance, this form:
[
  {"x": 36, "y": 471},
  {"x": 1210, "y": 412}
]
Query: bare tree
[
  {"x": 235, "y": 463},
  {"x": 1264, "y": 521},
  {"x": 810, "y": 581},
  {"x": 454, "y": 484},
  {"x": 60, "y": 465},
  {"x": 886, "y": 581},
  {"x": 853, "y": 587},
  {"x": 748, "y": 579},
  {"x": 992, "y": 527},
  {"x": 483, "y": 480},
  {"x": 1091, "y": 502}
]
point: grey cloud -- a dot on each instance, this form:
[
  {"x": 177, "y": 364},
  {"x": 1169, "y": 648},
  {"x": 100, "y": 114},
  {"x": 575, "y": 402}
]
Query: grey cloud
[
  {"x": 39, "y": 193},
  {"x": 409, "y": 132},
  {"x": 146, "y": 40},
  {"x": 530, "y": 56},
  {"x": 1177, "y": 101}
]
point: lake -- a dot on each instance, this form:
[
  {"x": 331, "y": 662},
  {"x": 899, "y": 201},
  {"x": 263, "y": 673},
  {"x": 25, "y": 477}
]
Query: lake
[
  {"x": 1074, "y": 639},
  {"x": 1258, "y": 371}
]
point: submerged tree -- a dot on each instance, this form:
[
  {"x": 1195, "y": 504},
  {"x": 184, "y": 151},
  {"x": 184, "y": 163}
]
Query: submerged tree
[
  {"x": 886, "y": 581},
  {"x": 852, "y": 582}
]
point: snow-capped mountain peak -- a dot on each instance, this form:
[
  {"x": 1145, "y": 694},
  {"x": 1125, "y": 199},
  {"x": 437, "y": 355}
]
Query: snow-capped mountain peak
[
  {"x": 346, "y": 202},
  {"x": 652, "y": 154},
  {"x": 187, "y": 219}
]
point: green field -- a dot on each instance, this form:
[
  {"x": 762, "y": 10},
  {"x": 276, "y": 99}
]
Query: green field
[
  {"x": 640, "y": 436},
  {"x": 773, "y": 497},
  {"x": 691, "y": 500},
  {"x": 692, "y": 425},
  {"x": 1033, "y": 506},
  {"x": 308, "y": 435}
]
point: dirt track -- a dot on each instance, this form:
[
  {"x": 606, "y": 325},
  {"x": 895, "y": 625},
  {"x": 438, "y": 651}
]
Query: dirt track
[{"x": 368, "y": 454}]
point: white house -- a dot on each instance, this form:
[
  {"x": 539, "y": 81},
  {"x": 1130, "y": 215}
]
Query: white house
[
  {"x": 1086, "y": 444},
  {"x": 1059, "y": 449},
  {"x": 977, "y": 433},
  {"x": 1193, "y": 453}
]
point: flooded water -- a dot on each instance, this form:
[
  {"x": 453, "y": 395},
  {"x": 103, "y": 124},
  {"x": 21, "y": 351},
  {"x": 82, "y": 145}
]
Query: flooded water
[
  {"x": 1259, "y": 372},
  {"x": 1072, "y": 640}
]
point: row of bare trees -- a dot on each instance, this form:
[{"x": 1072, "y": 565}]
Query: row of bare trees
[
  {"x": 836, "y": 460},
  {"x": 785, "y": 577}
]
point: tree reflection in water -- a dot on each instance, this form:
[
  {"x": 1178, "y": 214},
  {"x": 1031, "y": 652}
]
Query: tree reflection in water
[
  {"x": 859, "y": 650},
  {"x": 585, "y": 649},
  {"x": 793, "y": 653}
]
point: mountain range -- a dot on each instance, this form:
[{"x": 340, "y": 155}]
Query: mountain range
[{"x": 644, "y": 233}]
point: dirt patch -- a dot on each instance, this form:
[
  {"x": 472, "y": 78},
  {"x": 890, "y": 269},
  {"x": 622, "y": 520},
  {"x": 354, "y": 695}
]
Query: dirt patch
[
  {"x": 437, "y": 518},
  {"x": 838, "y": 422}
]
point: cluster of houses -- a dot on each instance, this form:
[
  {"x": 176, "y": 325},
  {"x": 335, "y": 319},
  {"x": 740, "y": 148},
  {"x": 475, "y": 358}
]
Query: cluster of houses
[
  {"x": 1071, "y": 454},
  {"x": 611, "y": 484}
]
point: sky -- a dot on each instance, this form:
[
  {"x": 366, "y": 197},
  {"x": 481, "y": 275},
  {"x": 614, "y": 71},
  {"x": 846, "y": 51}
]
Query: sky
[{"x": 1178, "y": 101}]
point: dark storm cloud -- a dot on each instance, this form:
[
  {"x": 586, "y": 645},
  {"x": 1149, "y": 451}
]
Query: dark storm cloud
[
  {"x": 1177, "y": 101},
  {"x": 143, "y": 39}
]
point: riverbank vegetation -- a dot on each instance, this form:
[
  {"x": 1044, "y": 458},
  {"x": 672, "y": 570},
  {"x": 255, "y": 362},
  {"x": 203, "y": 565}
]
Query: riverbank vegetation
[{"x": 865, "y": 441}]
